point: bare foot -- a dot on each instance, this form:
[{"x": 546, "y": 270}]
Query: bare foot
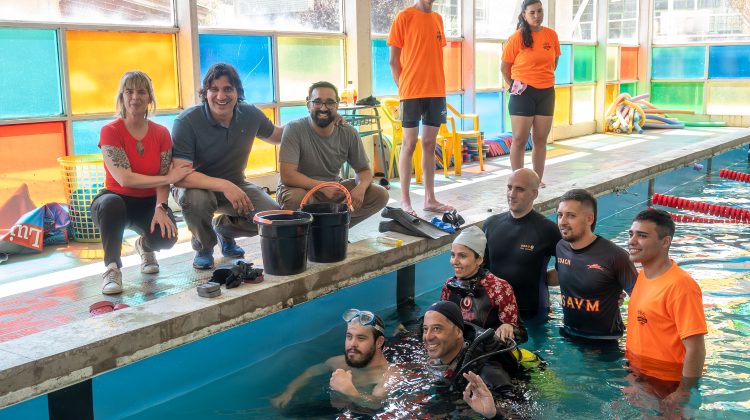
[{"x": 437, "y": 207}]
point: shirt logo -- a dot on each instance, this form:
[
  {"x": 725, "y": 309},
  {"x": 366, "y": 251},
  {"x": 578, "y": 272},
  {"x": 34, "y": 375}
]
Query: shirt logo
[
  {"x": 547, "y": 46},
  {"x": 581, "y": 304},
  {"x": 642, "y": 317},
  {"x": 525, "y": 247},
  {"x": 595, "y": 267},
  {"x": 439, "y": 37},
  {"x": 563, "y": 261}
]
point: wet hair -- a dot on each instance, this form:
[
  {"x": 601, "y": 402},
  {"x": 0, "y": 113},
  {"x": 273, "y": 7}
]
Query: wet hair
[
  {"x": 322, "y": 84},
  {"x": 215, "y": 72},
  {"x": 584, "y": 197},
  {"x": 664, "y": 224},
  {"x": 528, "y": 41},
  {"x": 134, "y": 79},
  {"x": 375, "y": 332}
]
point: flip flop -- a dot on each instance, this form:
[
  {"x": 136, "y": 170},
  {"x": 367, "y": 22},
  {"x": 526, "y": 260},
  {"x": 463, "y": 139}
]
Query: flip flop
[
  {"x": 101, "y": 307},
  {"x": 443, "y": 208}
]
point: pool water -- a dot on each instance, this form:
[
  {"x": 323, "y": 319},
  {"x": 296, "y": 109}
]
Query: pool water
[{"x": 579, "y": 382}]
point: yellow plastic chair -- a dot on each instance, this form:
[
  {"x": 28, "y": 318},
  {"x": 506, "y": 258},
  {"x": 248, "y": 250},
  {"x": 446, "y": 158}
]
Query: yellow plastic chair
[
  {"x": 459, "y": 135},
  {"x": 390, "y": 108}
]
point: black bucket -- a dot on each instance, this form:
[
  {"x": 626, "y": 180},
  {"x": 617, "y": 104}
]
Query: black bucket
[
  {"x": 283, "y": 240},
  {"x": 329, "y": 232}
]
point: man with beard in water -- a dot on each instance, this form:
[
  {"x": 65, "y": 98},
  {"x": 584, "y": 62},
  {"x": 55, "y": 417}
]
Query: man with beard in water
[
  {"x": 313, "y": 150},
  {"x": 360, "y": 375}
]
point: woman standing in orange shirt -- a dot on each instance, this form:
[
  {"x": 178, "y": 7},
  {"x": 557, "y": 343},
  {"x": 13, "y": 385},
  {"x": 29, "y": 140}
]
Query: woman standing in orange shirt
[{"x": 529, "y": 63}]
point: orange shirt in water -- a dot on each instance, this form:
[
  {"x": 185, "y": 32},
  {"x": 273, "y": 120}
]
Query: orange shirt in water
[
  {"x": 662, "y": 312},
  {"x": 421, "y": 38},
  {"x": 534, "y": 66}
]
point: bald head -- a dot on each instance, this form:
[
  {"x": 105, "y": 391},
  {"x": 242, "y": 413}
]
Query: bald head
[{"x": 523, "y": 189}]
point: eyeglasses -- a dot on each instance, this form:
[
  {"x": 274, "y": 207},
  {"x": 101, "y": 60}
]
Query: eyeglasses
[
  {"x": 319, "y": 104},
  {"x": 365, "y": 318}
]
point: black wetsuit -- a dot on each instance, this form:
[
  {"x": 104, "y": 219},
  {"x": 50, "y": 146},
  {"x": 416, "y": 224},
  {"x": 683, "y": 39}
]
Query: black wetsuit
[
  {"x": 591, "y": 280},
  {"x": 518, "y": 251}
]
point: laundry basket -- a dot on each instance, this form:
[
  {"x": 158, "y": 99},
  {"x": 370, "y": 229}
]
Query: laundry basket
[{"x": 83, "y": 178}]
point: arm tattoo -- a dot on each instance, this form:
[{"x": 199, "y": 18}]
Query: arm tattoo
[
  {"x": 165, "y": 159},
  {"x": 118, "y": 156}
]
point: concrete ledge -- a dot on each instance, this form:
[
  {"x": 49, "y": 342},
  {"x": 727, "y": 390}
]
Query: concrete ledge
[{"x": 56, "y": 358}]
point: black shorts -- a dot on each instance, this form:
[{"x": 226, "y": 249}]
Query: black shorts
[
  {"x": 431, "y": 111},
  {"x": 532, "y": 102}
]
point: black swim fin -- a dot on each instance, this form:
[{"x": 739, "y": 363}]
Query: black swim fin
[{"x": 409, "y": 224}]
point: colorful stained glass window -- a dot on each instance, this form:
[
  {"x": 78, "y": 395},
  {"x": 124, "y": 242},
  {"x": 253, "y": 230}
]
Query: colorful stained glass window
[
  {"x": 613, "y": 63},
  {"x": 728, "y": 61},
  {"x": 678, "y": 95},
  {"x": 631, "y": 88},
  {"x": 97, "y": 61},
  {"x": 562, "y": 107},
  {"x": 250, "y": 55},
  {"x": 583, "y": 104},
  {"x": 29, "y": 74},
  {"x": 382, "y": 78},
  {"x": 629, "y": 63},
  {"x": 490, "y": 110},
  {"x": 584, "y": 63},
  {"x": 728, "y": 98},
  {"x": 678, "y": 62},
  {"x": 291, "y": 113},
  {"x": 563, "y": 73},
  {"x": 262, "y": 158},
  {"x": 487, "y": 65},
  {"x": 28, "y": 156},
  {"x": 452, "y": 65},
  {"x": 303, "y": 61}
]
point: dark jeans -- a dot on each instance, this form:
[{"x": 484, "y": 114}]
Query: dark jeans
[{"x": 113, "y": 213}]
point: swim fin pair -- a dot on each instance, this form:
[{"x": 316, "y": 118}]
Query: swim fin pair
[
  {"x": 237, "y": 274},
  {"x": 403, "y": 222}
]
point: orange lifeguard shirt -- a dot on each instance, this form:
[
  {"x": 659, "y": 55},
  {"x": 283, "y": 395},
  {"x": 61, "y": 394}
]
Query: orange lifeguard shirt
[
  {"x": 534, "y": 66},
  {"x": 662, "y": 312},
  {"x": 421, "y": 38}
]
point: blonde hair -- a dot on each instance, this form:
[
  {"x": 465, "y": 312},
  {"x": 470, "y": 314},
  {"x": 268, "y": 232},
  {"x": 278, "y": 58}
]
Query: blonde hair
[{"x": 134, "y": 79}]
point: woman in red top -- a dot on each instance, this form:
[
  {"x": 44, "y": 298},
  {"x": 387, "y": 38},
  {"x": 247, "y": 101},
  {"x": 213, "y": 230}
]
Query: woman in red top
[
  {"x": 485, "y": 300},
  {"x": 529, "y": 62},
  {"x": 137, "y": 162}
]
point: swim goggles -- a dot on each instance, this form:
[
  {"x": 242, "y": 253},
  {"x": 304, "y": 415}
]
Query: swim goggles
[{"x": 365, "y": 318}]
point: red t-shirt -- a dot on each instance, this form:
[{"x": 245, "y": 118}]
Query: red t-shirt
[{"x": 156, "y": 141}]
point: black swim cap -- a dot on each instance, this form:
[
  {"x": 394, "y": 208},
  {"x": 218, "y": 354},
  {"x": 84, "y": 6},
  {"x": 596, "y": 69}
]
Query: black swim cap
[{"x": 449, "y": 310}]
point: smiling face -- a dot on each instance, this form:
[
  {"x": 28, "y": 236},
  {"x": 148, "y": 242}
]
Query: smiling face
[
  {"x": 322, "y": 105},
  {"x": 221, "y": 96},
  {"x": 360, "y": 345},
  {"x": 442, "y": 339},
  {"x": 574, "y": 219},
  {"x": 464, "y": 261},
  {"x": 644, "y": 245},
  {"x": 534, "y": 15},
  {"x": 135, "y": 99}
]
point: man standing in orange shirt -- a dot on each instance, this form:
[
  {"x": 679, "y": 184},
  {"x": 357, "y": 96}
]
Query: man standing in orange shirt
[
  {"x": 666, "y": 323},
  {"x": 417, "y": 40}
]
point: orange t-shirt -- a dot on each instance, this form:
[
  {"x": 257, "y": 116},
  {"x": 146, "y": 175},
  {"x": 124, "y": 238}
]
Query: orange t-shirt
[
  {"x": 421, "y": 38},
  {"x": 662, "y": 312},
  {"x": 534, "y": 66}
]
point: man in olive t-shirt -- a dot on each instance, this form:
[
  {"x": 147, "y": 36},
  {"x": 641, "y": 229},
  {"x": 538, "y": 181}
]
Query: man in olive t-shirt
[{"x": 314, "y": 148}]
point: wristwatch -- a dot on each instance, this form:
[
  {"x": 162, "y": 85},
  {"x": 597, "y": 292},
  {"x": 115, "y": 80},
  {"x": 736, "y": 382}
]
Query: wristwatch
[{"x": 164, "y": 206}]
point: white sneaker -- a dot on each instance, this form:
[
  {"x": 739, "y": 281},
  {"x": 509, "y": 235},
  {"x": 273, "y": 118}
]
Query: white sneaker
[
  {"x": 112, "y": 280},
  {"x": 148, "y": 259}
]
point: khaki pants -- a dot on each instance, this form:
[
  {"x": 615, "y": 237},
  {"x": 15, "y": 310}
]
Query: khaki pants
[{"x": 376, "y": 197}]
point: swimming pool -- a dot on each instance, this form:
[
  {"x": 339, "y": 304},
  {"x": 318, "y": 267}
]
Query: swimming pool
[{"x": 580, "y": 382}]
